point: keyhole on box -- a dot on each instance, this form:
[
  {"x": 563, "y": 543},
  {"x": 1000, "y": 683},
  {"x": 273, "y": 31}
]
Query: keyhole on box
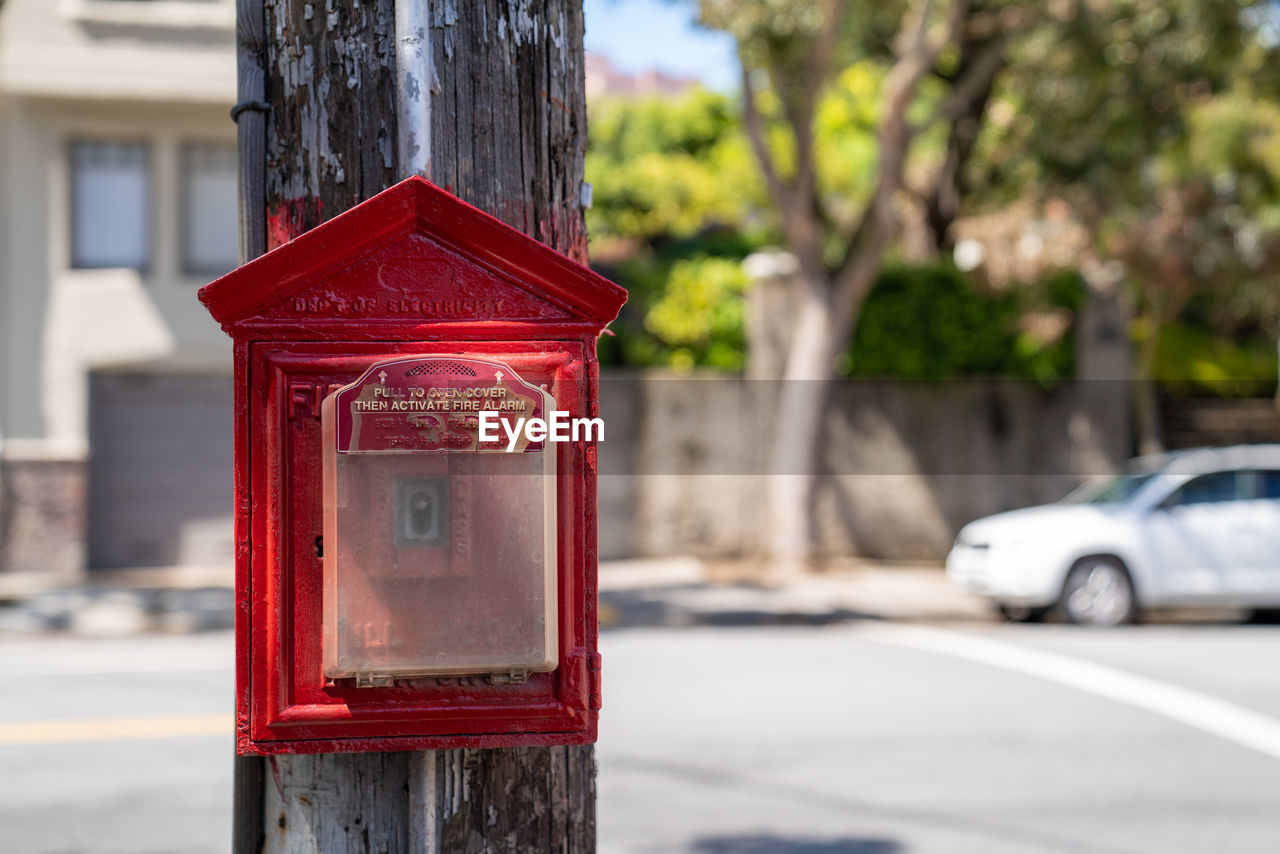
[
  {"x": 420, "y": 515},
  {"x": 422, "y": 511},
  {"x": 319, "y": 546}
]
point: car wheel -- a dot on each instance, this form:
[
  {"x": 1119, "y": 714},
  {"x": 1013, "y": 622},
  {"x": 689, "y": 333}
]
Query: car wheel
[
  {"x": 1022, "y": 613},
  {"x": 1098, "y": 592}
]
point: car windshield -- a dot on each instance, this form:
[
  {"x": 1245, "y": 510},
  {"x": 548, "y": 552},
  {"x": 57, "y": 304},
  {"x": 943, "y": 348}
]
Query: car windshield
[{"x": 1112, "y": 490}]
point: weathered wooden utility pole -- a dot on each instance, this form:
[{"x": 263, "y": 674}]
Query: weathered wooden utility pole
[{"x": 319, "y": 133}]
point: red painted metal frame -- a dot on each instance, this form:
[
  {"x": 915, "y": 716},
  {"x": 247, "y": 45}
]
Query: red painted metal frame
[{"x": 413, "y": 271}]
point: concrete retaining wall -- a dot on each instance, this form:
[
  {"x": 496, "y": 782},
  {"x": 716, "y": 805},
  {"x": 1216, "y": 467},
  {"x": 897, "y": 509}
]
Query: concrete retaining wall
[{"x": 903, "y": 464}]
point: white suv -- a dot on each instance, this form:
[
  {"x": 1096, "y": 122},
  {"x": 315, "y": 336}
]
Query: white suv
[{"x": 1196, "y": 527}]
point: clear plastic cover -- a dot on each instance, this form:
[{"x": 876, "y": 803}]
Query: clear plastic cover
[{"x": 439, "y": 549}]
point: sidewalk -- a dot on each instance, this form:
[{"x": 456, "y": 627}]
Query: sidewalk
[
  {"x": 687, "y": 591},
  {"x": 120, "y": 611},
  {"x": 677, "y": 591}
]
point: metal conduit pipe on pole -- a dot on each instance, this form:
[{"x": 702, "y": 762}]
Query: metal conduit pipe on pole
[{"x": 415, "y": 79}]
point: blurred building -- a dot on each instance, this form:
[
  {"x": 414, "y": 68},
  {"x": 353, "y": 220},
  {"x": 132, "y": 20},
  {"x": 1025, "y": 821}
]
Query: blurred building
[
  {"x": 118, "y": 181},
  {"x": 603, "y": 80}
]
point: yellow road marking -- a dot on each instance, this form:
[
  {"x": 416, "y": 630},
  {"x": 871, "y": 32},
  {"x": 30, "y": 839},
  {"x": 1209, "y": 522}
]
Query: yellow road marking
[{"x": 114, "y": 729}]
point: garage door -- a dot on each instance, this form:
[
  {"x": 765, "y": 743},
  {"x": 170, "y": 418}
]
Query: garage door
[{"x": 160, "y": 471}]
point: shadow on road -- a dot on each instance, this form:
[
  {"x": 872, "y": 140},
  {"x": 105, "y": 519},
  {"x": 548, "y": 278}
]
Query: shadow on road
[
  {"x": 716, "y": 605},
  {"x": 772, "y": 844},
  {"x": 974, "y": 826}
]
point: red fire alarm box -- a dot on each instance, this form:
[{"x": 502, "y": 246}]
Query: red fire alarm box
[{"x": 416, "y": 418}]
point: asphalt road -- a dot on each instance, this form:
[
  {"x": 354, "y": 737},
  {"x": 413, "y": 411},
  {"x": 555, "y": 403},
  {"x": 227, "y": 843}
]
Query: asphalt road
[{"x": 855, "y": 738}]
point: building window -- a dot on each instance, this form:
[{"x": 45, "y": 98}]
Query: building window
[
  {"x": 209, "y": 228},
  {"x": 110, "y": 204}
]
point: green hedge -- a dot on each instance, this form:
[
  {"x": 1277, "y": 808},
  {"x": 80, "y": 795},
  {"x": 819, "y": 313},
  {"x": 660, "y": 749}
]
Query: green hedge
[
  {"x": 1192, "y": 361},
  {"x": 920, "y": 322},
  {"x": 931, "y": 322}
]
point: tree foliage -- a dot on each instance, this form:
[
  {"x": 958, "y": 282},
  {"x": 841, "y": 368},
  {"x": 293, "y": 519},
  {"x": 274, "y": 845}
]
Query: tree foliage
[
  {"x": 699, "y": 316},
  {"x": 677, "y": 206},
  {"x": 1156, "y": 122},
  {"x": 663, "y": 168},
  {"x": 1096, "y": 90},
  {"x": 684, "y": 269},
  {"x": 1150, "y": 120}
]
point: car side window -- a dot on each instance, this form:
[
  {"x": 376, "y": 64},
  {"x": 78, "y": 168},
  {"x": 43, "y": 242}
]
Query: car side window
[
  {"x": 1210, "y": 488},
  {"x": 1267, "y": 484}
]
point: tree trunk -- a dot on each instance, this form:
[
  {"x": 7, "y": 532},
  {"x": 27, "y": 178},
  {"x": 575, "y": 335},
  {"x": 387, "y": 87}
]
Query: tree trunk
[
  {"x": 508, "y": 134},
  {"x": 828, "y": 316},
  {"x": 793, "y": 458},
  {"x": 942, "y": 203}
]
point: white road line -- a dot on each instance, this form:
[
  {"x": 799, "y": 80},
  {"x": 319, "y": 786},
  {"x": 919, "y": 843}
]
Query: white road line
[{"x": 1209, "y": 714}]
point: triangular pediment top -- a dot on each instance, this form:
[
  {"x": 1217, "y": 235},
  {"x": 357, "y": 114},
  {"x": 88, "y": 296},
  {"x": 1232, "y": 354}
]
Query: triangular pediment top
[
  {"x": 413, "y": 278},
  {"x": 413, "y": 252}
]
